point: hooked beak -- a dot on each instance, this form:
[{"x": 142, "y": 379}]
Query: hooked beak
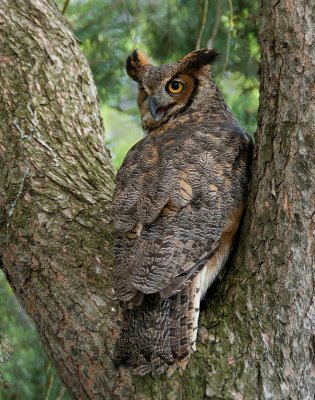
[{"x": 156, "y": 111}]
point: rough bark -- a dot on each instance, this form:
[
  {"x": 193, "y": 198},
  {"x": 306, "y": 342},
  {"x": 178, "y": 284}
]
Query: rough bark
[
  {"x": 257, "y": 328},
  {"x": 5, "y": 355},
  {"x": 56, "y": 181}
]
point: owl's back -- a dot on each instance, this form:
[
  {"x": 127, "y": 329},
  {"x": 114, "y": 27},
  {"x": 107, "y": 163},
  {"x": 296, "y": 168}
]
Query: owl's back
[{"x": 178, "y": 200}]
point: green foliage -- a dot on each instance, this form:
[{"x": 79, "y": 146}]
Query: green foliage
[
  {"x": 166, "y": 29},
  {"x": 28, "y": 372},
  {"x": 103, "y": 30},
  {"x": 242, "y": 95},
  {"x": 122, "y": 131}
]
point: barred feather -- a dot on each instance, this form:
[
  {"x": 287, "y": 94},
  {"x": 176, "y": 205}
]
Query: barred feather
[{"x": 177, "y": 205}]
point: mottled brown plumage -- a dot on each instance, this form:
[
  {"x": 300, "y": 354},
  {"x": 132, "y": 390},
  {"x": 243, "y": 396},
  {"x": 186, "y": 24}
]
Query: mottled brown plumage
[{"x": 177, "y": 205}]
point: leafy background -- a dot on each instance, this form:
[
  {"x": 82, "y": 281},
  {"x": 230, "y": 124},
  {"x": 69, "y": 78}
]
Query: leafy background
[{"x": 108, "y": 31}]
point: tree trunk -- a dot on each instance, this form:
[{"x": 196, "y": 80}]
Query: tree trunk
[
  {"x": 56, "y": 183},
  {"x": 257, "y": 328},
  {"x": 5, "y": 355}
]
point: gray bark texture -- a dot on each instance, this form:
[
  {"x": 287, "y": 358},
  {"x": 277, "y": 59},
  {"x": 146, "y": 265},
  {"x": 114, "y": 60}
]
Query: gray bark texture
[
  {"x": 56, "y": 182},
  {"x": 256, "y": 337}
]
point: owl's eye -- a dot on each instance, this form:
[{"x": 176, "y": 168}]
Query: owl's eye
[{"x": 175, "y": 87}]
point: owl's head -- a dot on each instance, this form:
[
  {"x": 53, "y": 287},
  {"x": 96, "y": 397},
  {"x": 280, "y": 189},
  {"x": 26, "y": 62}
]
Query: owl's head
[{"x": 169, "y": 89}]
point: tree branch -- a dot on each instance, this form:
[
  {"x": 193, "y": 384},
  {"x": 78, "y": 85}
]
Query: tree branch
[
  {"x": 65, "y": 6},
  {"x": 228, "y": 38},
  {"x": 56, "y": 186},
  {"x": 257, "y": 326},
  {"x": 202, "y": 24},
  {"x": 216, "y": 26}
]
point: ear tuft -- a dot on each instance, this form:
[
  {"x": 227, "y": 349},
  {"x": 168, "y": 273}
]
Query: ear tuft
[
  {"x": 135, "y": 63},
  {"x": 199, "y": 58}
]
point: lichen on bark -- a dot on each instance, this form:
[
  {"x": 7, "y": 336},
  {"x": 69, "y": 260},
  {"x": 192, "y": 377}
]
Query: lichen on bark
[
  {"x": 56, "y": 183},
  {"x": 5, "y": 356}
]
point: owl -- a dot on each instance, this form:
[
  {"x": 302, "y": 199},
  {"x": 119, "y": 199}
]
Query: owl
[{"x": 177, "y": 206}]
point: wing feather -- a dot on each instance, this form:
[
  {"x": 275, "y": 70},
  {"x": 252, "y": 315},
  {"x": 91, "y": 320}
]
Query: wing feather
[{"x": 182, "y": 201}]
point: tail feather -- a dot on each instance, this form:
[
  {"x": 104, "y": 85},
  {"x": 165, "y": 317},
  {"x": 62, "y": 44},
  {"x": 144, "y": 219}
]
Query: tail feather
[
  {"x": 157, "y": 334},
  {"x": 175, "y": 325}
]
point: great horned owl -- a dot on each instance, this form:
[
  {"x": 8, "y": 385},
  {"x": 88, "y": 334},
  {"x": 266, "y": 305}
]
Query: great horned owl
[{"x": 177, "y": 205}]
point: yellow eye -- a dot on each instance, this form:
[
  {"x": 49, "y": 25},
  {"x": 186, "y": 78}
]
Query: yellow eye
[{"x": 175, "y": 87}]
